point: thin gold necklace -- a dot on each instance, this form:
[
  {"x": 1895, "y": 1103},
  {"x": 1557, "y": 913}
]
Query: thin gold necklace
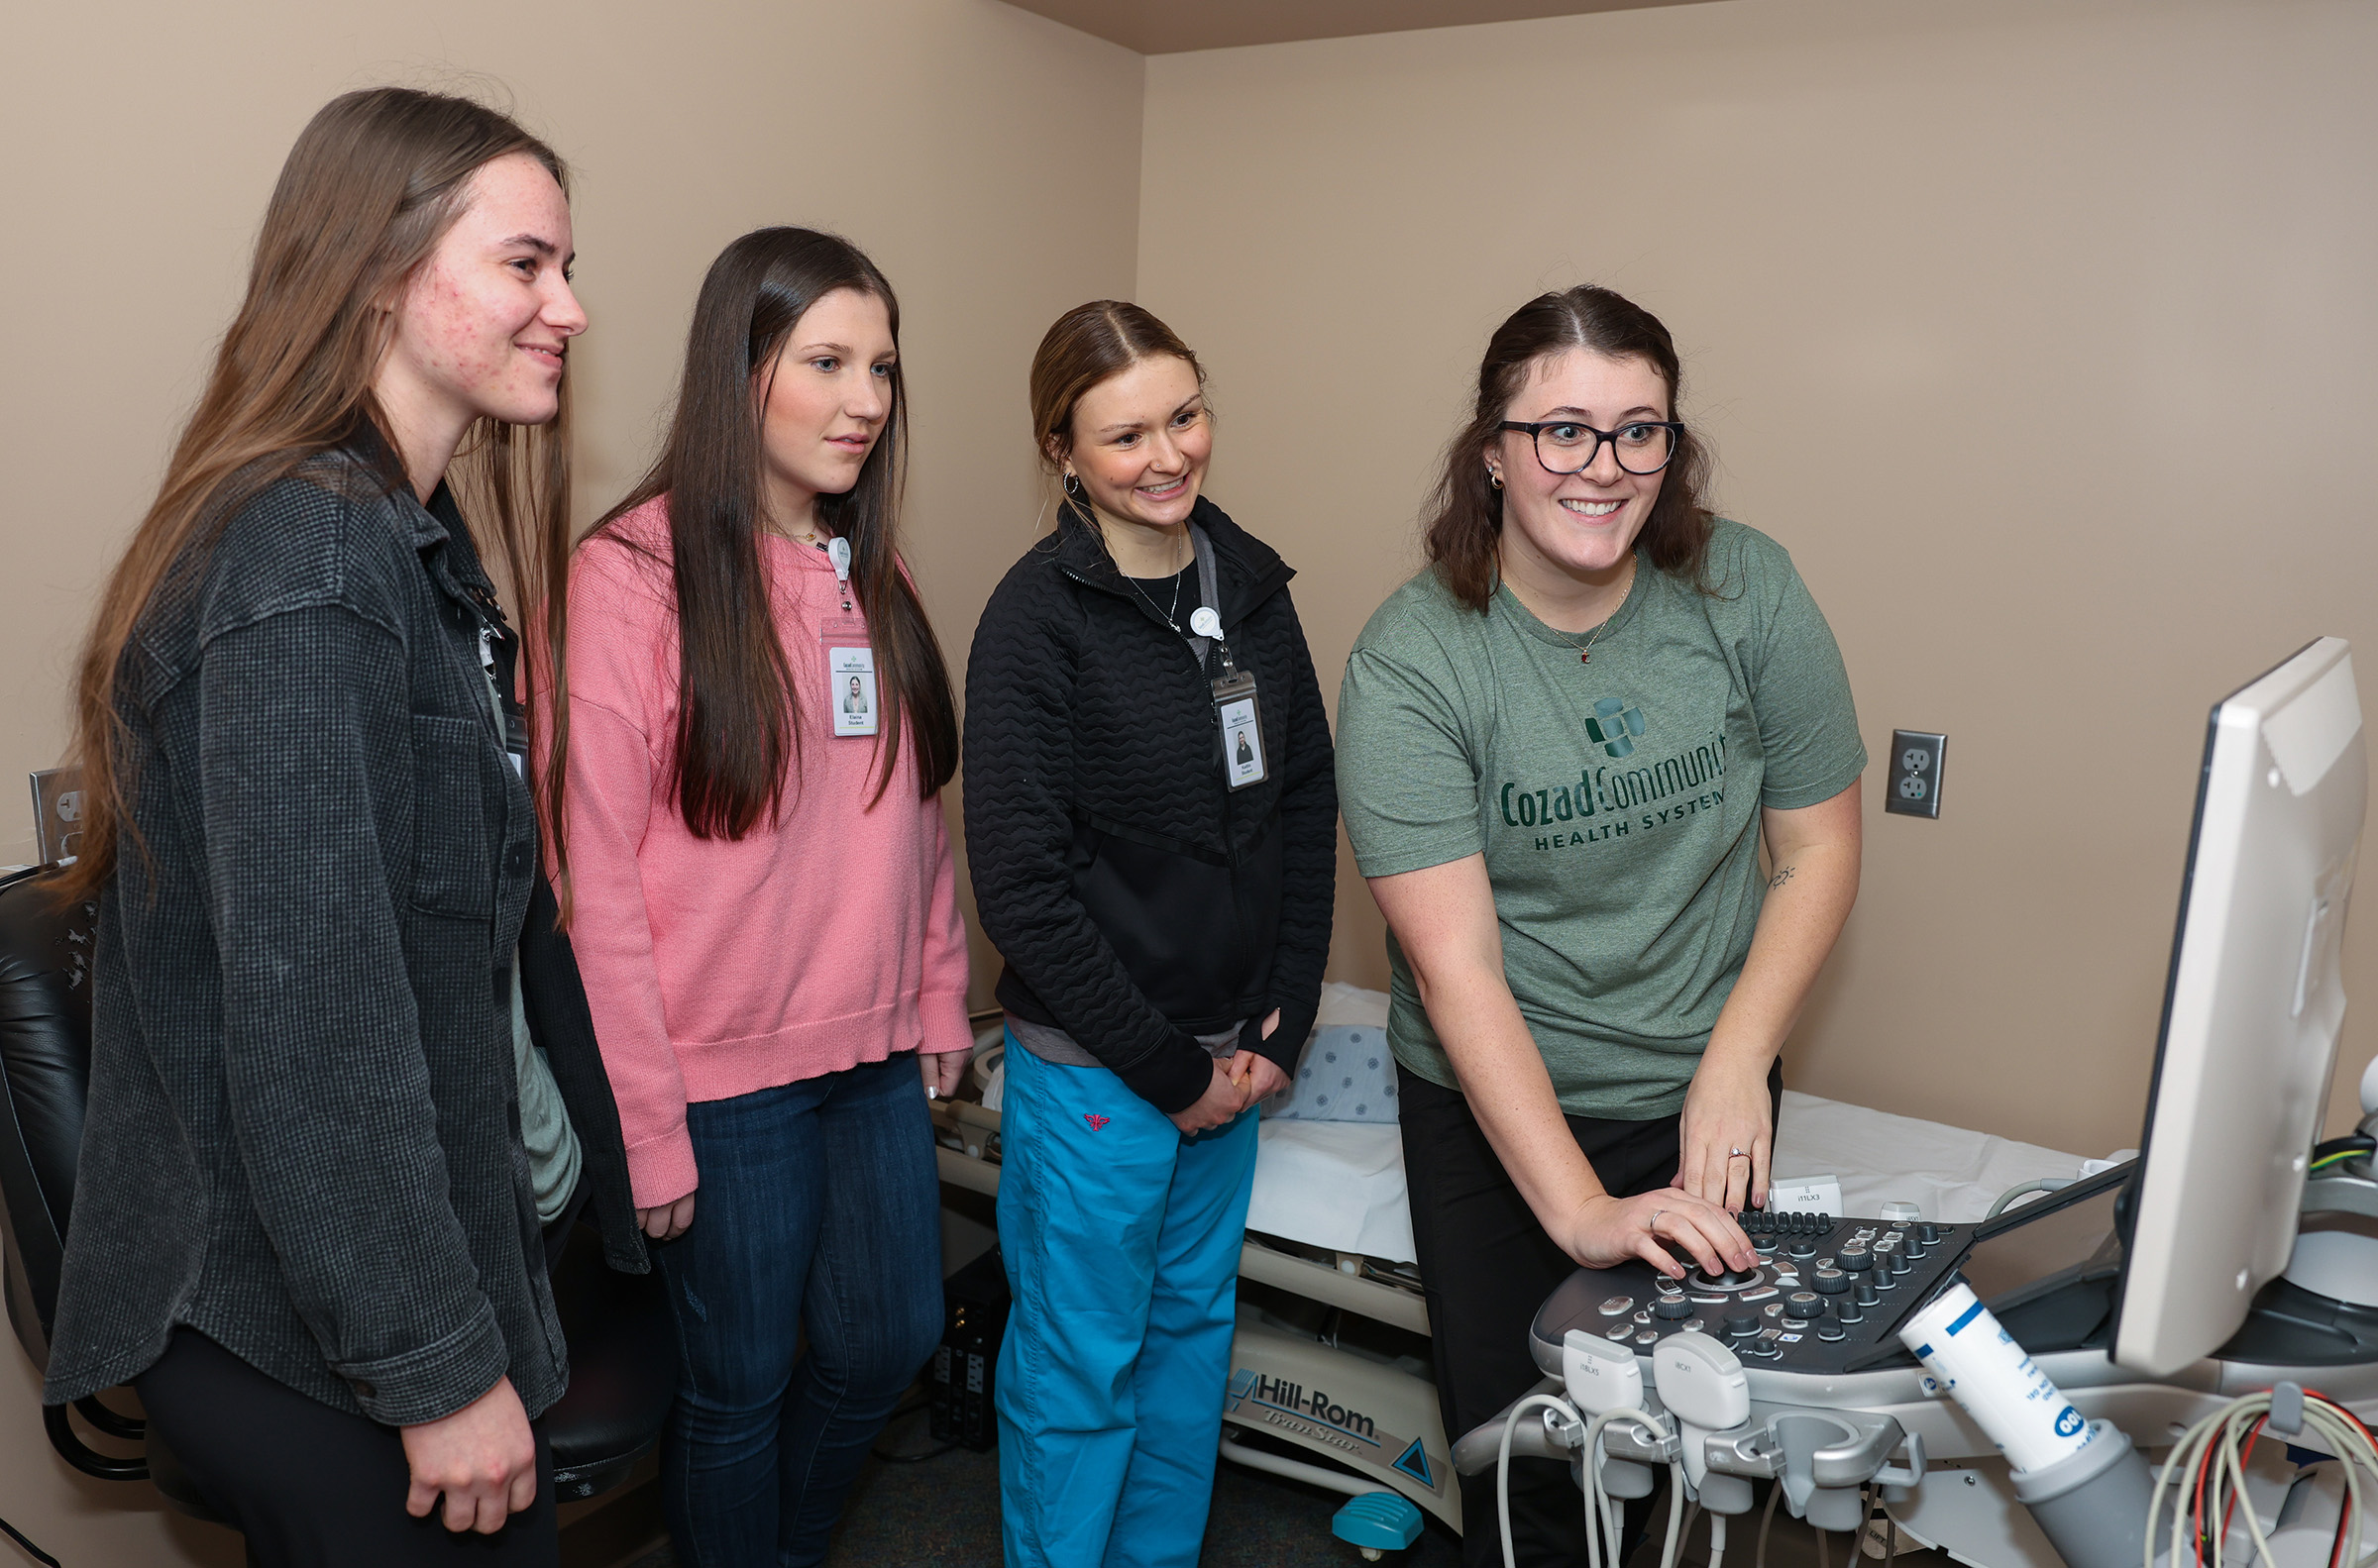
[{"x": 1586, "y": 650}]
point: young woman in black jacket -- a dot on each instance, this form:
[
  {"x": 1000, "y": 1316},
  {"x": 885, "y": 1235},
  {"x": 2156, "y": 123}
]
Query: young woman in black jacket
[
  {"x": 1153, "y": 835},
  {"x": 344, "y": 1094}
]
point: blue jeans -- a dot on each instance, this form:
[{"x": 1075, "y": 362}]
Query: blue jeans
[
  {"x": 1122, "y": 1243},
  {"x": 818, "y": 1209}
]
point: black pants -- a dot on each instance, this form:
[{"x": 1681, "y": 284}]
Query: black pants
[
  {"x": 309, "y": 1485},
  {"x": 1485, "y": 1267}
]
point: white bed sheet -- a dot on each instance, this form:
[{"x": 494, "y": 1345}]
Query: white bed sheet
[{"x": 1341, "y": 1185}]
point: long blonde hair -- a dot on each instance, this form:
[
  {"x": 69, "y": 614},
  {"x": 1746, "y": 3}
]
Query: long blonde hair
[{"x": 372, "y": 184}]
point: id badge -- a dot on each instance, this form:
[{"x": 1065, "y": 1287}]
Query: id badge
[
  {"x": 851, "y": 695},
  {"x": 1241, "y": 728}
]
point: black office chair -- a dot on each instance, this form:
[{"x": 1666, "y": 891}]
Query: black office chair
[{"x": 623, "y": 1356}]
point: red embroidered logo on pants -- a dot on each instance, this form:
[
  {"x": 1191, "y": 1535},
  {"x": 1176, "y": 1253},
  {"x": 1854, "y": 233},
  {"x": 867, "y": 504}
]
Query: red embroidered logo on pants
[{"x": 1094, "y": 1120}]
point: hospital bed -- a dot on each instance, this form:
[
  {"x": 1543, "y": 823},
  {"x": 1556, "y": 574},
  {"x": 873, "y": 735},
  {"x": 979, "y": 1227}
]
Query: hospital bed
[{"x": 1331, "y": 1363}]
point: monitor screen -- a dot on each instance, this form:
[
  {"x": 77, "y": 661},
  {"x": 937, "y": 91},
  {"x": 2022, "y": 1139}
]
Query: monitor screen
[
  {"x": 2048, "y": 1242},
  {"x": 2252, "y": 1009}
]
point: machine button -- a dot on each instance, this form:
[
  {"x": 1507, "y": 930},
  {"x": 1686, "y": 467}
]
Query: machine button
[
  {"x": 1866, "y": 1294},
  {"x": 1771, "y": 1309},
  {"x": 1830, "y": 1282},
  {"x": 1742, "y": 1324},
  {"x": 1914, "y": 1251},
  {"x": 1805, "y": 1305},
  {"x": 1899, "y": 1264},
  {"x": 1765, "y": 1242},
  {"x": 1803, "y": 1248},
  {"x": 1857, "y": 1262},
  {"x": 1618, "y": 1305},
  {"x": 1694, "y": 1326},
  {"x": 1623, "y": 1333},
  {"x": 1647, "y": 1337},
  {"x": 1849, "y": 1312},
  {"x": 1671, "y": 1308},
  {"x": 1927, "y": 1233},
  {"x": 1830, "y": 1330},
  {"x": 1643, "y": 1317}
]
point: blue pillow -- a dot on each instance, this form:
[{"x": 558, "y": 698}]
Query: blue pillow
[{"x": 1346, "y": 1075}]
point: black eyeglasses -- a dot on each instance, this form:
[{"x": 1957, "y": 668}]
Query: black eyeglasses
[{"x": 1564, "y": 446}]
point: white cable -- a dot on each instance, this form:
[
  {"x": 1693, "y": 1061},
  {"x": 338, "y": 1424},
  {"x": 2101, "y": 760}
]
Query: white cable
[
  {"x": 1676, "y": 1516},
  {"x": 2216, "y": 1445},
  {"x": 1502, "y": 1465},
  {"x": 1597, "y": 1501},
  {"x": 1717, "y": 1539},
  {"x": 1602, "y": 1517}
]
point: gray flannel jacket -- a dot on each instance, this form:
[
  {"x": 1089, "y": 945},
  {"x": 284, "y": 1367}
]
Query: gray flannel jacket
[{"x": 303, "y": 1134}]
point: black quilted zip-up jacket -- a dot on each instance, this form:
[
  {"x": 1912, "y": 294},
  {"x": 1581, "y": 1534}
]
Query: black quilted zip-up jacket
[{"x": 1137, "y": 900}]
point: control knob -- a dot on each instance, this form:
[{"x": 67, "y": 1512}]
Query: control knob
[
  {"x": 1856, "y": 1261},
  {"x": 1671, "y": 1308},
  {"x": 1742, "y": 1324},
  {"x": 1803, "y": 1304},
  {"x": 1830, "y": 1282}
]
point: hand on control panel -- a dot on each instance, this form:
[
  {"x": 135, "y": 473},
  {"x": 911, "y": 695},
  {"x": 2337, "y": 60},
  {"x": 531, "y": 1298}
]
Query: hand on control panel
[{"x": 1608, "y": 1231}]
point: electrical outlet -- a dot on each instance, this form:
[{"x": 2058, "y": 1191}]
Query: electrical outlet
[{"x": 1913, "y": 787}]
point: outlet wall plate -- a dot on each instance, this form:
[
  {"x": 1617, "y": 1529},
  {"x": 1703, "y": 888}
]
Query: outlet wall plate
[
  {"x": 1912, "y": 784},
  {"x": 57, "y": 814}
]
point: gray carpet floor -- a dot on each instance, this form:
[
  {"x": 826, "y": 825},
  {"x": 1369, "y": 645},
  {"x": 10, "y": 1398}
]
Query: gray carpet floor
[{"x": 944, "y": 1513}]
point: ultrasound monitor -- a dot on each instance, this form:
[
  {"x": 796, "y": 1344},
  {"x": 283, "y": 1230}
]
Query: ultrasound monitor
[{"x": 2252, "y": 1009}]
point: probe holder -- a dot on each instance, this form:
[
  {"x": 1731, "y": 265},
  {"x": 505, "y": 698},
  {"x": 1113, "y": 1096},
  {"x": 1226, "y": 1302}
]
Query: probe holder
[{"x": 2092, "y": 1505}]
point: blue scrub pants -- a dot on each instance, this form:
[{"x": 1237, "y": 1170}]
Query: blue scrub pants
[{"x": 1122, "y": 1243}]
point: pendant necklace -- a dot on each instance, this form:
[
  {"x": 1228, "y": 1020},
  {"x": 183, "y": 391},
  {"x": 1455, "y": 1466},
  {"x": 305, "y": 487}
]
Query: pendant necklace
[
  {"x": 1171, "y": 616},
  {"x": 1586, "y": 650}
]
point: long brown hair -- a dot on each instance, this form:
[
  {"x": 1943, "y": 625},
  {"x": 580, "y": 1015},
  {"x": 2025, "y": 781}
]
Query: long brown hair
[
  {"x": 1088, "y": 344},
  {"x": 375, "y": 180},
  {"x": 738, "y": 734},
  {"x": 1465, "y": 513}
]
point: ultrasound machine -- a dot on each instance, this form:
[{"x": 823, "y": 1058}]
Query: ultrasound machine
[{"x": 1998, "y": 1389}]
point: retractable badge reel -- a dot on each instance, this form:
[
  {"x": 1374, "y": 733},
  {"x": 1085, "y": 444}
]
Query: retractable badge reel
[
  {"x": 1235, "y": 706},
  {"x": 850, "y": 697}
]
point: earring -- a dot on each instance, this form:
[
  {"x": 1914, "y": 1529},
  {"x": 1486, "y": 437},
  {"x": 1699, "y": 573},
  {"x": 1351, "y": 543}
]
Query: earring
[
  {"x": 1494, "y": 478},
  {"x": 1072, "y": 484}
]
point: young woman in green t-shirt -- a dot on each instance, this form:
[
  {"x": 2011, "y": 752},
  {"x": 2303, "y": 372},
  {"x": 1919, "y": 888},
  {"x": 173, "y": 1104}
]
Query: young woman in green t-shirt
[{"x": 1559, "y": 750}]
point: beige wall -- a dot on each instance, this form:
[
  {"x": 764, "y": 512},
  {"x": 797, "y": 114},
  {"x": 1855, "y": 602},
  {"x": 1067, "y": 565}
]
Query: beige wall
[
  {"x": 2042, "y": 335},
  {"x": 988, "y": 158},
  {"x": 1904, "y": 248}
]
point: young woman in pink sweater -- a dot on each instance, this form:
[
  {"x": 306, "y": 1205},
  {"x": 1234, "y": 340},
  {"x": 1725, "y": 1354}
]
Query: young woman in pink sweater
[{"x": 765, "y": 907}]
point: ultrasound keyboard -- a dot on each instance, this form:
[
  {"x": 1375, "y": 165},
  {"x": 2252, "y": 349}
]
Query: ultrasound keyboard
[{"x": 1826, "y": 1295}]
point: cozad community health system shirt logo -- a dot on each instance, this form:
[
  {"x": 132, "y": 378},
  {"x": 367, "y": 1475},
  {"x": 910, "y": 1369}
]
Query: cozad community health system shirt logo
[{"x": 1605, "y": 801}]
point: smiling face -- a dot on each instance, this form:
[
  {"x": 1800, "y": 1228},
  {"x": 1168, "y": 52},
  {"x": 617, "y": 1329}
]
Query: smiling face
[
  {"x": 1142, "y": 440},
  {"x": 830, "y": 395},
  {"x": 484, "y": 324},
  {"x": 1582, "y": 525}
]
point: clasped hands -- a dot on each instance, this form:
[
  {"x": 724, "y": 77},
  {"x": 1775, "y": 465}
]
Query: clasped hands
[{"x": 1237, "y": 1082}]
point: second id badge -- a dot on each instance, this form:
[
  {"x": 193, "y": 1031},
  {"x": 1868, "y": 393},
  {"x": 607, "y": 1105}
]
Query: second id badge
[
  {"x": 1242, "y": 725},
  {"x": 851, "y": 695}
]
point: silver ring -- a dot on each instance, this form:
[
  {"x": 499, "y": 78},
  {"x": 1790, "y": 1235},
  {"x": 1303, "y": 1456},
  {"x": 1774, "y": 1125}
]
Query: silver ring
[
  {"x": 1737, "y": 1154},
  {"x": 1653, "y": 1223}
]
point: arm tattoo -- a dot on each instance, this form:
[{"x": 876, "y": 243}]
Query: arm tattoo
[{"x": 1780, "y": 877}]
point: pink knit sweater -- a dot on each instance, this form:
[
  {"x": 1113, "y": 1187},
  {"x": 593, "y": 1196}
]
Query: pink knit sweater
[{"x": 716, "y": 968}]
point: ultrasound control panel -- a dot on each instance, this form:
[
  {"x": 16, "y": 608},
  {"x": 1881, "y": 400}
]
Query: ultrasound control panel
[{"x": 1826, "y": 1296}]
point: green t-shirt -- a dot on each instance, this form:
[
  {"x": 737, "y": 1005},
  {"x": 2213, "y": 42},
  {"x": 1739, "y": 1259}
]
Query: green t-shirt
[{"x": 1616, "y": 802}]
